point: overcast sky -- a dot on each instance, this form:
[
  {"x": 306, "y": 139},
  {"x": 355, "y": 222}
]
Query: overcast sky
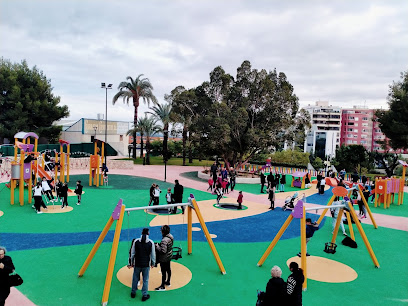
[{"x": 344, "y": 52}]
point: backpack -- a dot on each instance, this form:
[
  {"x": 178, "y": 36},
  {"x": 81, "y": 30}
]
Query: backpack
[
  {"x": 349, "y": 242},
  {"x": 261, "y": 295}
]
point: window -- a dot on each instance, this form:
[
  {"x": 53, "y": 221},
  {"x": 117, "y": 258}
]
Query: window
[
  {"x": 365, "y": 118},
  {"x": 355, "y": 136},
  {"x": 355, "y": 131},
  {"x": 363, "y": 136},
  {"x": 354, "y": 141},
  {"x": 356, "y": 119},
  {"x": 349, "y": 135},
  {"x": 350, "y": 123},
  {"x": 349, "y": 130},
  {"x": 351, "y": 117},
  {"x": 349, "y": 141},
  {"x": 363, "y": 142}
]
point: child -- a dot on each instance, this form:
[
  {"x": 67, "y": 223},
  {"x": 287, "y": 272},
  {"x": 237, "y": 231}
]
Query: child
[
  {"x": 322, "y": 185},
  {"x": 239, "y": 200},
  {"x": 78, "y": 191},
  {"x": 310, "y": 229},
  {"x": 210, "y": 184},
  {"x": 169, "y": 198},
  {"x": 58, "y": 186},
  {"x": 64, "y": 195},
  {"x": 218, "y": 192},
  {"x": 271, "y": 196},
  {"x": 38, "y": 201},
  {"x": 156, "y": 195},
  {"x": 224, "y": 185},
  {"x": 335, "y": 212},
  {"x": 47, "y": 189}
]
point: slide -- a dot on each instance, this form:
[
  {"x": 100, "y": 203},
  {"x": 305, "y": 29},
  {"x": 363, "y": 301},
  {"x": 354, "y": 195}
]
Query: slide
[
  {"x": 331, "y": 181},
  {"x": 42, "y": 173}
]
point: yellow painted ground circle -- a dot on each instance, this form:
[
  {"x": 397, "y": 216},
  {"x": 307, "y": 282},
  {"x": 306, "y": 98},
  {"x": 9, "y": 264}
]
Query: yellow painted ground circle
[
  {"x": 213, "y": 236},
  {"x": 56, "y": 209},
  {"x": 196, "y": 229},
  {"x": 326, "y": 270},
  {"x": 180, "y": 276},
  {"x": 1, "y": 213}
]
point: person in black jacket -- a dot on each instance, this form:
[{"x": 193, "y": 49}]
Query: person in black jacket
[
  {"x": 282, "y": 182},
  {"x": 6, "y": 268},
  {"x": 142, "y": 257},
  {"x": 277, "y": 180},
  {"x": 319, "y": 178},
  {"x": 213, "y": 171},
  {"x": 78, "y": 191},
  {"x": 275, "y": 293},
  {"x": 294, "y": 285},
  {"x": 164, "y": 251},
  {"x": 178, "y": 195},
  {"x": 64, "y": 195},
  {"x": 262, "y": 176},
  {"x": 270, "y": 179},
  {"x": 151, "y": 193}
]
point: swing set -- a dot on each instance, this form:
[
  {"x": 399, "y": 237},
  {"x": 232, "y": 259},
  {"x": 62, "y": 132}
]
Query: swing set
[
  {"x": 299, "y": 212},
  {"x": 118, "y": 215}
]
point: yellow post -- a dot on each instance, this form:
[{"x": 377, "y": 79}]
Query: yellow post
[
  {"x": 97, "y": 172},
  {"x": 207, "y": 236},
  {"x": 375, "y": 192},
  {"x": 21, "y": 181},
  {"x": 56, "y": 167},
  {"x": 326, "y": 209},
  {"x": 35, "y": 144},
  {"x": 68, "y": 153},
  {"x": 385, "y": 194},
  {"x": 402, "y": 184},
  {"x": 363, "y": 235},
  {"x": 102, "y": 158},
  {"x": 15, "y": 149},
  {"x": 96, "y": 247},
  {"x": 189, "y": 230},
  {"x": 303, "y": 263},
  {"x": 112, "y": 259},
  {"x": 336, "y": 228},
  {"x": 30, "y": 185},
  {"x": 367, "y": 207},
  {"x": 12, "y": 183},
  {"x": 275, "y": 240},
  {"x": 350, "y": 225},
  {"x": 62, "y": 167}
]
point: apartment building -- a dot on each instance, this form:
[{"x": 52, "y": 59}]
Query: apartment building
[
  {"x": 324, "y": 136},
  {"x": 357, "y": 128}
]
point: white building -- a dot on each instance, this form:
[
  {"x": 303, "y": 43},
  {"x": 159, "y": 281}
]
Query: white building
[
  {"x": 324, "y": 136},
  {"x": 86, "y": 130}
]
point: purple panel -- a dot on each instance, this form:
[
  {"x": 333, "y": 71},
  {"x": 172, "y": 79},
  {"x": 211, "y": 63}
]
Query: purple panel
[
  {"x": 27, "y": 173},
  {"x": 298, "y": 210},
  {"x": 191, "y": 195},
  {"x": 30, "y": 134},
  {"x": 116, "y": 211},
  {"x": 389, "y": 186}
]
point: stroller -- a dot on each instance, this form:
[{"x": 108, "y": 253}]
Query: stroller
[{"x": 289, "y": 202}]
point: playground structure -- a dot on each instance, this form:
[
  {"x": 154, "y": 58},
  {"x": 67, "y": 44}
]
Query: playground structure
[
  {"x": 20, "y": 171},
  {"x": 118, "y": 214},
  {"x": 296, "y": 176},
  {"x": 299, "y": 212},
  {"x": 61, "y": 162},
  {"x": 96, "y": 161},
  {"x": 386, "y": 189}
]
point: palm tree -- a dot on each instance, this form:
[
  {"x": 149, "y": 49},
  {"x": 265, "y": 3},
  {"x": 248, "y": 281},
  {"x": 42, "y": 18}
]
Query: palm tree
[
  {"x": 161, "y": 112},
  {"x": 146, "y": 126},
  {"x": 135, "y": 89}
]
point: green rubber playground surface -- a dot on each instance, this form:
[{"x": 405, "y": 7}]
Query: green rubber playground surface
[{"x": 50, "y": 273}]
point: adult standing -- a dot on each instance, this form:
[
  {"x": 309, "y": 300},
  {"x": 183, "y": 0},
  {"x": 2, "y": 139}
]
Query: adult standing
[
  {"x": 262, "y": 176},
  {"x": 164, "y": 251},
  {"x": 277, "y": 179},
  {"x": 270, "y": 179},
  {"x": 38, "y": 201},
  {"x": 213, "y": 171},
  {"x": 142, "y": 257},
  {"x": 282, "y": 182},
  {"x": 6, "y": 268},
  {"x": 275, "y": 292},
  {"x": 178, "y": 195},
  {"x": 322, "y": 185},
  {"x": 232, "y": 175},
  {"x": 294, "y": 285}
]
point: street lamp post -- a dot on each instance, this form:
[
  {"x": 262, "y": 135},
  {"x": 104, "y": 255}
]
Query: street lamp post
[
  {"x": 106, "y": 115},
  {"x": 165, "y": 156}
]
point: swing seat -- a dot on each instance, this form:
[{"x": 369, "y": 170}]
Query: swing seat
[
  {"x": 176, "y": 253},
  {"x": 330, "y": 247}
]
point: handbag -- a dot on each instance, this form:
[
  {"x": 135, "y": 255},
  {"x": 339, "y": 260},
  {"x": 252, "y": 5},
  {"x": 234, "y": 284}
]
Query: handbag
[{"x": 15, "y": 280}]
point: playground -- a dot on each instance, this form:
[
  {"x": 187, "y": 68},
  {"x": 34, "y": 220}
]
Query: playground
[{"x": 49, "y": 250}]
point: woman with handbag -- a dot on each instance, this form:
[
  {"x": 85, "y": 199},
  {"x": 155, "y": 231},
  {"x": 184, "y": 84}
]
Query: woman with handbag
[{"x": 6, "y": 268}]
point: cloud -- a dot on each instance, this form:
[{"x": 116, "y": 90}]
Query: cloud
[{"x": 341, "y": 51}]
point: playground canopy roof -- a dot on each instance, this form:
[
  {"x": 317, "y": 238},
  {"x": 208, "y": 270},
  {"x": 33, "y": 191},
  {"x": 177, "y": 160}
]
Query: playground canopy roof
[
  {"x": 24, "y": 135},
  {"x": 299, "y": 174}
]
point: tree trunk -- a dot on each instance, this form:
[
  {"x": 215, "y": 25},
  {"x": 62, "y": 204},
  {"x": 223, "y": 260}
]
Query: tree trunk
[
  {"x": 141, "y": 145},
  {"x": 184, "y": 144},
  {"x": 136, "y": 105},
  {"x": 147, "y": 150},
  {"x": 165, "y": 139},
  {"x": 190, "y": 151}
]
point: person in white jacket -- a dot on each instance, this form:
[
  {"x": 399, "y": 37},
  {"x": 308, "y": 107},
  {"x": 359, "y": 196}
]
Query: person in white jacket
[
  {"x": 38, "y": 202},
  {"x": 156, "y": 195}
]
